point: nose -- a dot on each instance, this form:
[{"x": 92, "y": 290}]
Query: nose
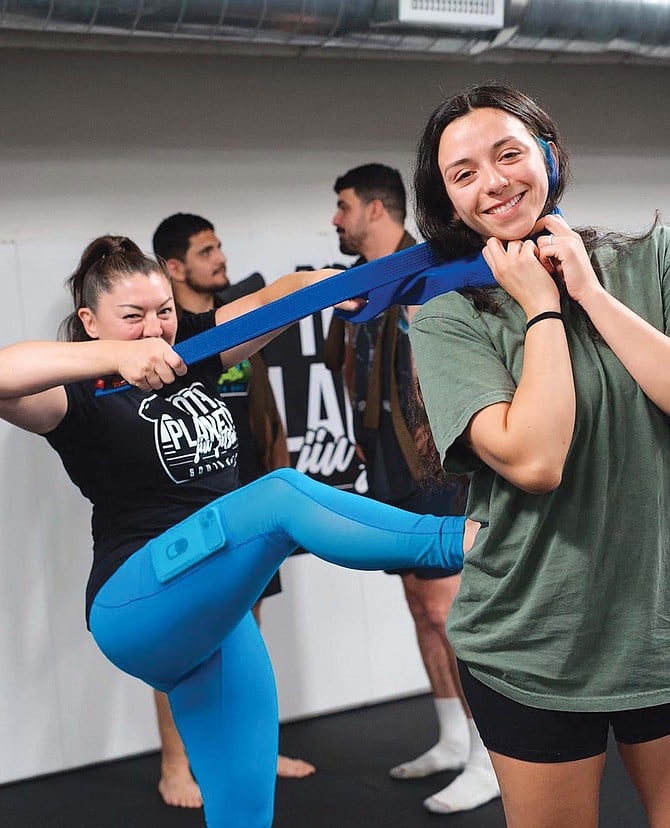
[
  {"x": 496, "y": 181},
  {"x": 152, "y": 326},
  {"x": 335, "y": 222}
]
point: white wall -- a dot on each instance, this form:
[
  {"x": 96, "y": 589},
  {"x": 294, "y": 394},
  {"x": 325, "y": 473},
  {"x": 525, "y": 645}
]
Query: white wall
[{"x": 98, "y": 142}]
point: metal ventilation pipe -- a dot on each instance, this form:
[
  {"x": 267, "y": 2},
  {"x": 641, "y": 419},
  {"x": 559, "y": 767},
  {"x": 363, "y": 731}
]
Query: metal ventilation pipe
[{"x": 612, "y": 30}]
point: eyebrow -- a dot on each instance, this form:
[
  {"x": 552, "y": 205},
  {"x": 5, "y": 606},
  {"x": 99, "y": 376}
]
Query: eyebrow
[
  {"x": 495, "y": 146},
  {"x": 141, "y": 307},
  {"x": 207, "y": 247}
]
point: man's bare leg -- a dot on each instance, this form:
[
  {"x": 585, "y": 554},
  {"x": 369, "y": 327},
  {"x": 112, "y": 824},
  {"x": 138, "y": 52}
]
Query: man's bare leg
[
  {"x": 429, "y": 602},
  {"x": 176, "y": 785},
  {"x": 287, "y": 768},
  {"x": 459, "y": 744}
]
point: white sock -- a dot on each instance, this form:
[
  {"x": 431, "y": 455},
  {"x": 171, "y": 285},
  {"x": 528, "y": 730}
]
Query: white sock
[
  {"x": 476, "y": 786},
  {"x": 452, "y": 748}
]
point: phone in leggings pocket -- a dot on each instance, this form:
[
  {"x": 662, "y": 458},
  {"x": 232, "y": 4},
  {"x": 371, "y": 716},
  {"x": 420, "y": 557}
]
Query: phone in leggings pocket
[{"x": 186, "y": 544}]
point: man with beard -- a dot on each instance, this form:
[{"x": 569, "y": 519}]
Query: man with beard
[
  {"x": 191, "y": 251},
  {"x": 378, "y": 369}
]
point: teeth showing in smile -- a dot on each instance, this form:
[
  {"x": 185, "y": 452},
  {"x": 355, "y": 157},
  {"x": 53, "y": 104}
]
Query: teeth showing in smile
[{"x": 503, "y": 208}]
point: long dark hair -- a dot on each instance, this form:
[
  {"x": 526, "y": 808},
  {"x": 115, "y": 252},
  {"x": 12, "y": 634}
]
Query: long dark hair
[{"x": 105, "y": 260}]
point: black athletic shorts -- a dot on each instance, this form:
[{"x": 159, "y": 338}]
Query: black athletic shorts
[
  {"x": 535, "y": 735},
  {"x": 273, "y": 587}
]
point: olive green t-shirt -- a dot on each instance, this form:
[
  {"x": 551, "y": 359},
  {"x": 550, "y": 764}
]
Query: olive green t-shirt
[{"x": 565, "y": 598}]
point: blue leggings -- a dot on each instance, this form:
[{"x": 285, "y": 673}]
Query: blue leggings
[{"x": 194, "y": 637}]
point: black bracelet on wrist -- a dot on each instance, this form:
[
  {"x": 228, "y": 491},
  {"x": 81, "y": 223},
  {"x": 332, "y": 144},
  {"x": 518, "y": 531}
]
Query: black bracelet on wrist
[{"x": 544, "y": 315}]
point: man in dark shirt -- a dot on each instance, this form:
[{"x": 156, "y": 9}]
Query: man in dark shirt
[
  {"x": 191, "y": 251},
  {"x": 378, "y": 369}
]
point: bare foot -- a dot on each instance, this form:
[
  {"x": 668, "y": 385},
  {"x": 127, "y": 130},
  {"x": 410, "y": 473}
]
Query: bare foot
[
  {"x": 293, "y": 768},
  {"x": 179, "y": 789}
]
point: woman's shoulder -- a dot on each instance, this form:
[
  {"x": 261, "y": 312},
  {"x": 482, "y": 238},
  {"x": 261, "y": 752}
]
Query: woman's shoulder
[
  {"x": 457, "y": 306},
  {"x": 448, "y": 305},
  {"x": 643, "y": 243},
  {"x": 657, "y": 238},
  {"x": 645, "y": 250},
  {"x": 661, "y": 237}
]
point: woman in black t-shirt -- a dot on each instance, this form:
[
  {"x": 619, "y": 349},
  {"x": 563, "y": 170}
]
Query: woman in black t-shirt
[{"x": 180, "y": 552}]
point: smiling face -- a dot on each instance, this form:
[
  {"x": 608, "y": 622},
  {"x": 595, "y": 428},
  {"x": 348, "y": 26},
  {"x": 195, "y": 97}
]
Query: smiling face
[
  {"x": 136, "y": 307},
  {"x": 494, "y": 173}
]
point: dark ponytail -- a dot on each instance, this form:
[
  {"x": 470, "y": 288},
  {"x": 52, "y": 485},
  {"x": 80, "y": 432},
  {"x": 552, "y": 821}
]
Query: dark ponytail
[{"x": 104, "y": 261}]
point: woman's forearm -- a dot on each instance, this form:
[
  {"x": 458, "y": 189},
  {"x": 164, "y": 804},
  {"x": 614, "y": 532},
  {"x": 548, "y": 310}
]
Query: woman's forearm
[
  {"x": 542, "y": 414},
  {"x": 527, "y": 441},
  {"x": 283, "y": 286},
  {"x": 34, "y": 366}
]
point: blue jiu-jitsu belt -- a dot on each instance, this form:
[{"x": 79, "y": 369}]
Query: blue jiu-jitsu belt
[{"x": 408, "y": 277}]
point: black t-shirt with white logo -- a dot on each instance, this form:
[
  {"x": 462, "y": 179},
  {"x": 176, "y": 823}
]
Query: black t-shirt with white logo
[{"x": 147, "y": 460}]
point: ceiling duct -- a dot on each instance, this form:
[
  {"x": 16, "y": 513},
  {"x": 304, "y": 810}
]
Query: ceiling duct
[
  {"x": 465, "y": 14},
  {"x": 503, "y": 30}
]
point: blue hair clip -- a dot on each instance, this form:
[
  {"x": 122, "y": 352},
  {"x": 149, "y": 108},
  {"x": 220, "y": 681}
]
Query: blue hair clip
[{"x": 552, "y": 169}]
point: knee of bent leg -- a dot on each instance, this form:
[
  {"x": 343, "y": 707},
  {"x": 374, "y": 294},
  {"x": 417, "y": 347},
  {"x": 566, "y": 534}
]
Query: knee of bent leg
[
  {"x": 432, "y": 614},
  {"x": 276, "y": 489},
  {"x": 428, "y": 605},
  {"x": 287, "y": 474},
  {"x": 281, "y": 480}
]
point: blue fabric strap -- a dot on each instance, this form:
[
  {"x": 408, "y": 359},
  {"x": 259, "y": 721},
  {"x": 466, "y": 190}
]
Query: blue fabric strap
[
  {"x": 384, "y": 278},
  {"x": 383, "y": 282},
  {"x": 408, "y": 277},
  {"x": 418, "y": 288}
]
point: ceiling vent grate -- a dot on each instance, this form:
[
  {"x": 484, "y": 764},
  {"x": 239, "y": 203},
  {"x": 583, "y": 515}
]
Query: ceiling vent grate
[{"x": 453, "y": 14}]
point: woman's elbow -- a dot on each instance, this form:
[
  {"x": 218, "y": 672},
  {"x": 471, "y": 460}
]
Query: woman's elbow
[
  {"x": 531, "y": 467},
  {"x": 539, "y": 478}
]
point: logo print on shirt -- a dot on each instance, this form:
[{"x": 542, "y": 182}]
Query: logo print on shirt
[
  {"x": 235, "y": 380},
  {"x": 194, "y": 433}
]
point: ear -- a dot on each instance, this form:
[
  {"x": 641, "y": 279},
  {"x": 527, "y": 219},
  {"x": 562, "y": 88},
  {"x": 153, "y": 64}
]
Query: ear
[
  {"x": 88, "y": 321},
  {"x": 176, "y": 269},
  {"x": 554, "y": 152},
  {"x": 376, "y": 209}
]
